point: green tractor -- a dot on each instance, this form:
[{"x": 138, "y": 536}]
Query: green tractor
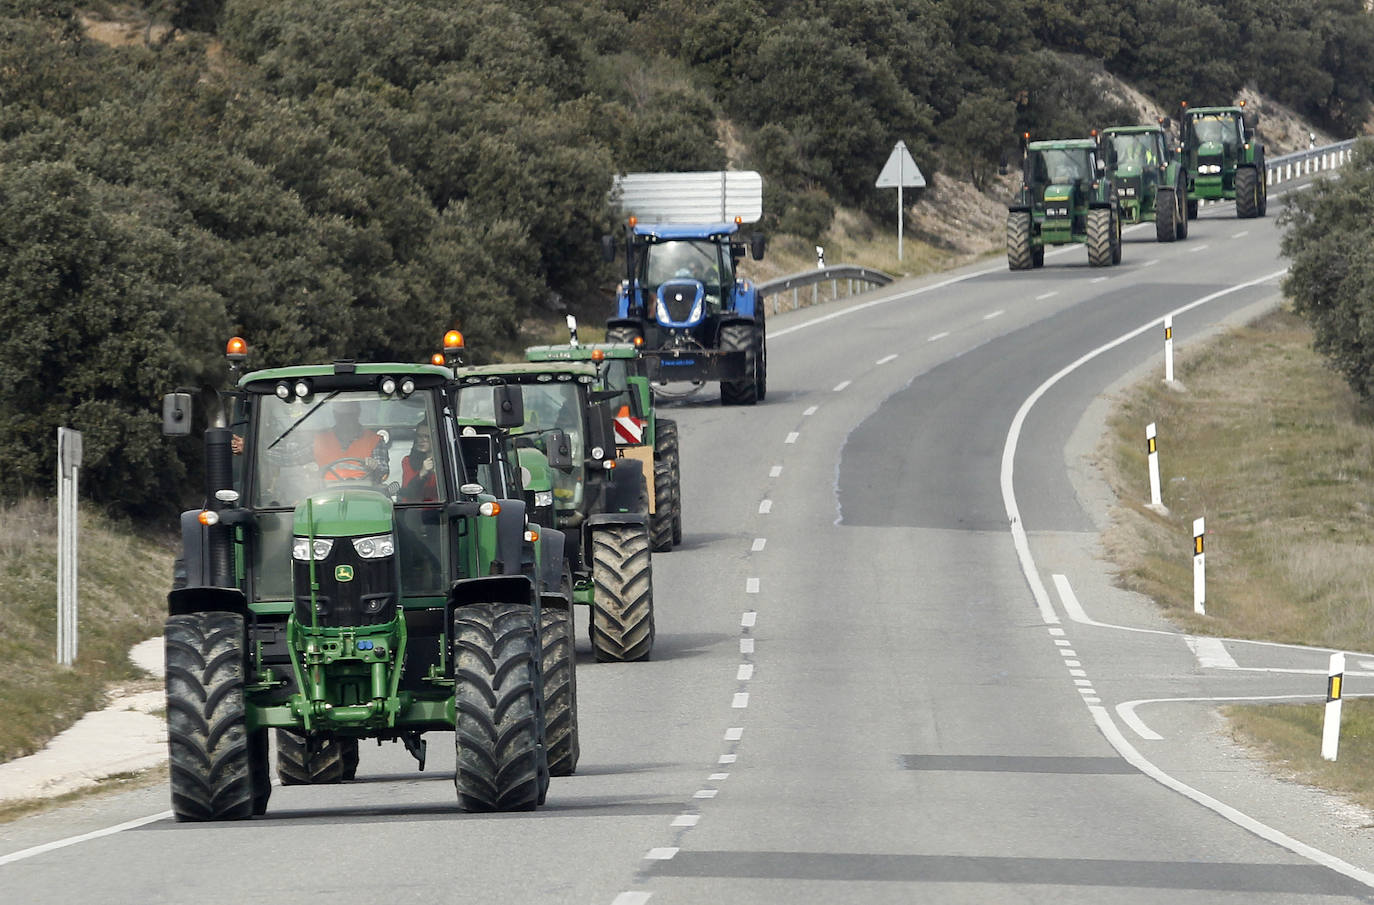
[
  {"x": 1223, "y": 158},
  {"x": 1149, "y": 178},
  {"x": 599, "y": 500},
  {"x": 639, "y": 431},
  {"x": 1066, "y": 197},
  {"x": 335, "y": 589}
]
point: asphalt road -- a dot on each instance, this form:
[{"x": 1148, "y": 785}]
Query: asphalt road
[{"x": 871, "y": 683}]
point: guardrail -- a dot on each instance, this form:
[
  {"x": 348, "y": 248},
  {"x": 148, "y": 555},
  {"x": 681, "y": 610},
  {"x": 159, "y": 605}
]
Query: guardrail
[
  {"x": 1303, "y": 163},
  {"x": 851, "y": 274}
]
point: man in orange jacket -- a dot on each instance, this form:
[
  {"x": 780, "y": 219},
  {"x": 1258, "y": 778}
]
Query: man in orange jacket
[{"x": 348, "y": 452}]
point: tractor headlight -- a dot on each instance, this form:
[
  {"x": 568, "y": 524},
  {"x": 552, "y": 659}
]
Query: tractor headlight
[
  {"x": 543, "y": 498},
  {"x": 302, "y": 547},
  {"x": 375, "y": 547}
]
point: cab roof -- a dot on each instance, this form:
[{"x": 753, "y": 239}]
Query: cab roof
[
  {"x": 1063, "y": 144},
  {"x": 667, "y": 231},
  {"x": 580, "y": 352},
  {"x": 348, "y": 374},
  {"x": 1131, "y": 130},
  {"x": 1213, "y": 111}
]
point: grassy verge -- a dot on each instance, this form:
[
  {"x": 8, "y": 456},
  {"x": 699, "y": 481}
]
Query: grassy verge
[
  {"x": 1276, "y": 452},
  {"x": 122, "y": 589}
]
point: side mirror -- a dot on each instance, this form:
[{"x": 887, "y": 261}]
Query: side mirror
[
  {"x": 1251, "y": 121},
  {"x": 608, "y": 248},
  {"x": 558, "y": 450},
  {"x": 176, "y": 415},
  {"x": 756, "y": 246},
  {"x": 1101, "y": 165},
  {"x": 510, "y": 406},
  {"x": 478, "y": 450}
]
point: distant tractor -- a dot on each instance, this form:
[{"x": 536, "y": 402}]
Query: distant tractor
[
  {"x": 1149, "y": 178},
  {"x": 1066, "y": 197},
  {"x": 1223, "y": 158},
  {"x": 344, "y": 580},
  {"x": 682, "y": 297}
]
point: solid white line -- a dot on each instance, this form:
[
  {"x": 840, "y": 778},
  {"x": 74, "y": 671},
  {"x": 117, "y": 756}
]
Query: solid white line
[
  {"x": 745, "y": 672},
  {"x": 758, "y": 544},
  {"x": 998, "y": 313},
  {"x": 749, "y": 618},
  {"x": 740, "y": 701},
  {"x": 705, "y": 793},
  {"x": 735, "y": 734},
  {"x": 937, "y": 336},
  {"x": 746, "y": 645},
  {"x": 1046, "y": 295},
  {"x": 717, "y": 777},
  {"x": 809, "y": 412},
  {"x": 839, "y": 387},
  {"x": 792, "y": 437},
  {"x": 885, "y": 359},
  {"x": 751, "y": 586},
  {"x": 665, "y": 853},
  {"x": 726, "y": 759},
  {"x": 1137, "y": 725},
  {"x": 1210, "y": 652},
  {"x": 686, "y": 820},
  {"x": 765, "y": 507},
  {"x": 1264, "y": 831},
  {"x": 775, "y": 471},
  {"x": 631, "y": 898},
  {"x": 84, "y": 837},
  {"x": 1128, "y": 715}
]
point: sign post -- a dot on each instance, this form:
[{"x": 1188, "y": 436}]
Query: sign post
[
  {"x": 68, "y": 467},
  {"x": 900, "y": 171}
]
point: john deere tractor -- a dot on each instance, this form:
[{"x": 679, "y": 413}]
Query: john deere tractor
[
  {"x": 640, "y": 432},
  {"x": 318, "y": 596},
  {"x": 1223, "y": 158},
  {"x": 1067, "y": 196},
  {"x": 599, "y": 499},
  {"x": 1149, "y": 178}
]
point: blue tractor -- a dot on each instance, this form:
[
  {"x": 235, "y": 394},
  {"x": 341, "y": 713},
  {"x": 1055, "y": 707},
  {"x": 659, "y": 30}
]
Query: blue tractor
[{"x": 684, "y": 304}]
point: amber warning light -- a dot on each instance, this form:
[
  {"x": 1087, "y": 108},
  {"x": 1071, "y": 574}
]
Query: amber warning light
[{"x": 236, "y": 349}]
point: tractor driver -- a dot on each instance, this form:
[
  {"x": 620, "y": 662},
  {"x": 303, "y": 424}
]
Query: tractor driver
[{"x": 347, "y": 452}]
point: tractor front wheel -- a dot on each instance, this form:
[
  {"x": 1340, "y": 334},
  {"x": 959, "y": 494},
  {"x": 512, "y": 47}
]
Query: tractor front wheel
[
  {"x": 666, "y": 448},
  {"x": 496, "y": 661},
  {"x": 208, "y": 745},
  {"x": 741, "y": 338},
  {"x": 1247, "y": 193},
  {"x": 623, "y": 607},
  {"x": 1019, "y": 252},
  {"x": 319, "y": 760},
  {"x": 622, "y": 334},
  {"x": 661, "y": 521},
  {"x": 560, "y": 691},
  {"x": 1100, "y": 229},
  {"x": 1192, "y": 208},
  {"x": 1166, "y": 211}
]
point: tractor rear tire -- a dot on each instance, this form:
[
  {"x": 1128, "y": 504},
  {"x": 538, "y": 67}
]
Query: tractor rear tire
[
  {"x": 260, "y": 768},
  {"x": 560, "y": 691},
  {"x": 1181, "y": 213},
  {"x": 1019, "y": 252},
  {"x": 496, "y": 662},
  {"x": 1116, "y": 237},
  {"x": 334, "y": 760},
  {"x": 661, "y": 522},
  {"x": 1100, "y": 223},
  {"x": 1166, "y": 216},
  {"x": 761, "y": 334},
  {"x": 1192, "y": 208},
  {"x": 666, "y": 448},
  {"x": 622, "y": 334},
  {"x": 1038, "y": 257},
  {"x": 622, "y": 626},
  {"x": 745, "y": 391},
  {"x": 208, "y": 744},
  {"x": 1247, "y": 193},
  {"x": 1264, "y": 185}
]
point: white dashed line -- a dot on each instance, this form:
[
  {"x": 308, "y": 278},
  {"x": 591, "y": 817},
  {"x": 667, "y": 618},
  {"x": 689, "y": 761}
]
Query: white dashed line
[
  {"x": 885, "y": 359},
  {"x": 1150, "y": 263},
  {"x": 758, "y": 544},
  {"x": 749, "y": 618},
  {"x": 1197, "y": 248},
  {"x": 1045, "y": 295},
  {"x": 1087, "y": 690},
  {"x": 1096, "y": 279},
  {"x": 839, "y": 387},
  {"x": 1056, "y": 631},
  {"x": 1077, "y": 672},
  {"x": 741, "y": 700},
  {"x": 1082, "y": 682},
  {"x": 1242, "y": 234},
  {"x": 775, "y": 471},
  {"x": 765, "y": 507},
  {"x": 809, "y": 412},
  {"x": 705, "y": 793},
  {"x": 751, "y": 586},
  {"x": 1092, "y": 700},
  {"x": 631, "y": 898},
  {"x": 1062, "y": 642},
  {"x": 717, "y": 777},
  {"x": 726, "y": 759},
  {"x": 1070, "y": 662},
  {"x": 746, "y": 645},
  {"x": 792, "y": 437},
  {"x": 734, "y": 734},
  {"x": 998, "y": 313},
  {"x": 937, "y": 336},
  {"x": 686, "y": 820},
  {"x": 745, "y": 672},
  {"x": 666, "y": 853}
]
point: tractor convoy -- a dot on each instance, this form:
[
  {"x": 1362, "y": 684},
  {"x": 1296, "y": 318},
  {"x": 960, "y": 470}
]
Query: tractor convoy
[{"x": 1083, "y": 190}]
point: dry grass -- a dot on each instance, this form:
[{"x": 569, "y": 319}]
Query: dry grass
[
  {"x": 1289, "y": 737},
  {"x": 122, "y": 590}
]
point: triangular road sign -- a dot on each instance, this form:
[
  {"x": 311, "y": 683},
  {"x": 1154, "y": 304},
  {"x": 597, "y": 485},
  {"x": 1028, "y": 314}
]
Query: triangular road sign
[{"x": 900, "y": 170}]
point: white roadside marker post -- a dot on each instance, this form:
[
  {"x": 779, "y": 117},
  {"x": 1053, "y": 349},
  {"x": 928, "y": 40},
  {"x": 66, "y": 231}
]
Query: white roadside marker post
[
  {"x": 1169, "y": 348},
  {"x": 1199, "y": 569},
  {"x": 1331, "y": 724},
  {"x": 1152, "y": 449}
]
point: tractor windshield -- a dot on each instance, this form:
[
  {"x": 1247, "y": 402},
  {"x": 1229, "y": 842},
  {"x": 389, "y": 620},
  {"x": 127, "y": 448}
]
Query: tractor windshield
[
  {"x": 1221, "y": 128},
  {"x": 548, "y": 406},
  {"x": 683, "y": 259},
  {"x": 1056, "y": 166},
  {"x": 1135, "y": 150}
]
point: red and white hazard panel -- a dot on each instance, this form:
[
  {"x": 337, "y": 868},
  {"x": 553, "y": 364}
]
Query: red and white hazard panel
[{"x": 629, "y": 430}]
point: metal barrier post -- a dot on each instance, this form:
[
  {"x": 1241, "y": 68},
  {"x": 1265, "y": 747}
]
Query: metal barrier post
[{"x": 68, "y": 469}]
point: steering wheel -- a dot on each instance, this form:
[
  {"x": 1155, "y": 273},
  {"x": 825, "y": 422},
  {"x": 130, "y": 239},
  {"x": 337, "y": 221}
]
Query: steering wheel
[{"x": 360, "y": 464}]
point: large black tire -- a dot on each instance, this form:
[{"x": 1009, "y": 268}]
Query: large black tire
[
  {"x": 207, "y": 723},
  {"x": 334, "y": 760},
  {"x": 666, "y": 448},
  {"x": 621, "y": 334},
  {"x": 1116, "y": 237},
  {"x": 1181, "y": 217},
  {"x": 560, "y": 691},
  {"x": 1247, "y": 193},
  {"x": 1166, "y": 215},
  {"x": 1019, "y": 252},
  {"x": 497, "y": 739},
  {"x": 761, "y": 336},
  {"x": 623, "y": 608},
  {"x": 1038, "y": 256},
  {"x": 1264, "y": 184},
  {"x": 260, "y": 769},
  {"x": 661, "y": 522},
  {"x": 1192, "y": 208},
  {"x": 745, "y": 391},
  {"x": 1100, "y": 223}
]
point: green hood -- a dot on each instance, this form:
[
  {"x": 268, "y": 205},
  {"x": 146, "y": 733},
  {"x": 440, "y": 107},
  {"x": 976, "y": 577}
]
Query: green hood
[{"x": 346, "y": 512}]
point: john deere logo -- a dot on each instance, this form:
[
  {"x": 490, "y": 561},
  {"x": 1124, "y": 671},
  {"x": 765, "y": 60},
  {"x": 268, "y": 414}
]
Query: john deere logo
[{"x": 343, "y": 573}]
